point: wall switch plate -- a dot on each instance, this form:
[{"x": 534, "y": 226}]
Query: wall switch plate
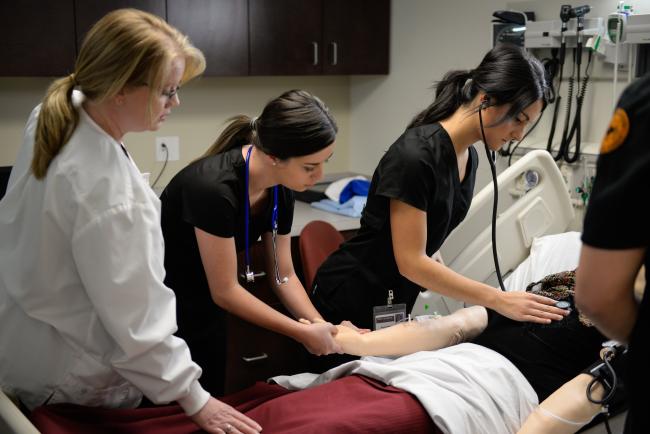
[{"x": 172, "y": 152}]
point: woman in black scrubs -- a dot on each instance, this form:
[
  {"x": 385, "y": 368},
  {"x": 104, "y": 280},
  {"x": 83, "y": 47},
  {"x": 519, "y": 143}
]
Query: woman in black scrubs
[
  {"x": 422, "y": 190},
  {"x": 222, "y": 203}
]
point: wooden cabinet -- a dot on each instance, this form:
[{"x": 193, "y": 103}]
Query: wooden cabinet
[
  {"x": 285, "y": 37},
  {"x": 88, "y": 12},
  {"x": 39, "y": 38},
  {"x": 311, "y": 37},
  {"x": 219, "y": 28},
  {"x": 356, "y": 36},
  {"x": 238, "y": 37}
]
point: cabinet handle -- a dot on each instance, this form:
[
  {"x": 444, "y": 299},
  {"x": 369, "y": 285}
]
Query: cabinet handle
[
  {"x": 335, "y": 53},
  {"x": 314, "y": 44},
  {"x": 255, "y": 275},
  {"x": 255, "y": 358}
]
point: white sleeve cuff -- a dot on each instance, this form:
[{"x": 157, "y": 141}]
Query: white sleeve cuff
[{"x": 195, "y": 400}]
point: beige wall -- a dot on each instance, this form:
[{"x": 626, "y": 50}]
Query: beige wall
[{"x": 205, "y": 105}]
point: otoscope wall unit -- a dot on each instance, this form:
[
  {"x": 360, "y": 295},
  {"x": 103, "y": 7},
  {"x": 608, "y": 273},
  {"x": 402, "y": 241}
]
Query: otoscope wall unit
[{"x": 547, "y": 34}]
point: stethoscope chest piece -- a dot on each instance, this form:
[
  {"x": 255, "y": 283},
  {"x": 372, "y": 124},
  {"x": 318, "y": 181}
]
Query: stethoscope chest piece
[{"x": 563, "y": 304}]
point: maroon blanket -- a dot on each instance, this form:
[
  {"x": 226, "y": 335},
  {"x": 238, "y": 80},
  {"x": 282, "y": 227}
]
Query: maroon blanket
[{"x": 354, "y": 404}]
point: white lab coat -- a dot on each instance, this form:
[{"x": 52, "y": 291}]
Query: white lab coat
[{"x": 84, "y": 314}]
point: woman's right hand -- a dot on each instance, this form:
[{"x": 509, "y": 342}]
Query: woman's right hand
[
  {"x": 220, "y": 418},
  {"x": 524, "y": 306},
  {"x": 318, "y": 338}
]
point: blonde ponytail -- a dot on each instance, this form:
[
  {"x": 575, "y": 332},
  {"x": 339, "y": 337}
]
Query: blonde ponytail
[{"x": 56, "y": 123}]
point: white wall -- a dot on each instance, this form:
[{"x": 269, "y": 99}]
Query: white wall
[{"x": 205, "y": 105}]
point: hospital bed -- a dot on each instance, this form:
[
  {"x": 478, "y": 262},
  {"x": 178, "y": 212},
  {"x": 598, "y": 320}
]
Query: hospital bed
[{"x": 358, "y": 404}]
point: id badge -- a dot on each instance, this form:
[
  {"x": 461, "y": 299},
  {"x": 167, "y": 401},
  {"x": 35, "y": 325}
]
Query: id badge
[{"x": 388, "y": 315}]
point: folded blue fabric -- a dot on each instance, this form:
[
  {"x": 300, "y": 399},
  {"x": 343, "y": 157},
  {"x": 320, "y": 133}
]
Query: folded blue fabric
[
  {"x": 356, "y": 187},
  {"x": 351, "y": 208}
]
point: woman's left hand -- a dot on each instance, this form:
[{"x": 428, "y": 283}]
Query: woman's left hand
[{"x": 524, "y": 306}]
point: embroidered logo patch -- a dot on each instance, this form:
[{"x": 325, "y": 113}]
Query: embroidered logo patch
[{"x": 618, "y": 129}]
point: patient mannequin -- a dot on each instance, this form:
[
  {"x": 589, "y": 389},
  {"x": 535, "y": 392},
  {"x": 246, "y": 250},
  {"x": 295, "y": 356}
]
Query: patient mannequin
[{"x": 564, "y": 407}]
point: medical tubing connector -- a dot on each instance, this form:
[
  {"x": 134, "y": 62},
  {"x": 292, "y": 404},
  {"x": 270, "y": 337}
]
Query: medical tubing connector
[{"x": 495, "y": 203}]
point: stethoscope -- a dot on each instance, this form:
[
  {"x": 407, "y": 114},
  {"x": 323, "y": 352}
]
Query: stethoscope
[
  {"x": 250, "y": 275},
  {"x": 491, "y": 156}
]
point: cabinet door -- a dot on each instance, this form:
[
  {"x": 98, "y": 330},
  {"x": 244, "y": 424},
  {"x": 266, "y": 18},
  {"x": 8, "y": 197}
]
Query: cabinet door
[
  {"x": 285, "y": 37},
  {"x": 219, "y": 28},
  {"x": 88, "y": 12},
  {"x": 39, "y": 38},
  {"x": 356, "y": 36},
  {"x": 256, "y": 354}
]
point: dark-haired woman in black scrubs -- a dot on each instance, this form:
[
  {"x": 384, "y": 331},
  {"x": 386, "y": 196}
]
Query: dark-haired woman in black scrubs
[
  {"x": 422, "y": 189},
  {"x": 221, "y": 204}
]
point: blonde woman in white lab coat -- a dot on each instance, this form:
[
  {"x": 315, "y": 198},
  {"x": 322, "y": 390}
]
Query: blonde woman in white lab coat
[{"x": 84, "y": 315}]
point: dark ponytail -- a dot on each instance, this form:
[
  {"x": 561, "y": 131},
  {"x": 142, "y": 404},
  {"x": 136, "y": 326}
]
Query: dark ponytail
[
  {"x": 238, "y": 133},
  {"x": 294, "y": 124},
  {"x": 507, "y": 75}
]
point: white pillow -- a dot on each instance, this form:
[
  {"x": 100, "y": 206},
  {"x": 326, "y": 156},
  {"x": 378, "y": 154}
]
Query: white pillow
[{"x": 548, "y": 254}]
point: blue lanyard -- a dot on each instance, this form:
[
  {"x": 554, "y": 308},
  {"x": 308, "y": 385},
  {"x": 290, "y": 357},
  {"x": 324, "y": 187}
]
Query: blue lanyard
[{"x": 250, "y": 277}]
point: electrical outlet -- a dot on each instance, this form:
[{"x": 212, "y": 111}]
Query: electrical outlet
[{"x": 167, "y": 148}]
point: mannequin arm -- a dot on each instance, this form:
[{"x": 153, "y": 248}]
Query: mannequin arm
[{"x": 410, "y": 337}]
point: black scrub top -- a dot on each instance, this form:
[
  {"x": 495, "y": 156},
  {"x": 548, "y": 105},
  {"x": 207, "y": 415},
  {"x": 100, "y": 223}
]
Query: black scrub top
[
  {"x": 419, "y": 169},
  {"x": 618, "y": 218},
  {"x": 209, "y": 195}
]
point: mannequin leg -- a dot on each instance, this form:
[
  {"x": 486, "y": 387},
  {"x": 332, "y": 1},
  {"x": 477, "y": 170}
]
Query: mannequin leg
[
  {"x": 566, "y": 410},
  {"x": 410, "y": 337}
]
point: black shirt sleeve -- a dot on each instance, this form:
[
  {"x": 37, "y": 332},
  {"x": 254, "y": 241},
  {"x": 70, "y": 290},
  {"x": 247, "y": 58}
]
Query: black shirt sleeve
[
  {"x": 211, "y": 207},
  {"x": 617, "y": 216},
  {"x": 406, "y": 174}
]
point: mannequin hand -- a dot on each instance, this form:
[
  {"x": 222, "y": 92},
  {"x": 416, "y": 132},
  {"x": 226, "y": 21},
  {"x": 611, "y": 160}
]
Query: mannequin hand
[
  {"x": 318, "y": 337},
  {"x": 524, "y": 306},
  {"x": 349, "y": 325},
  {"x": 218, "y": 417}
]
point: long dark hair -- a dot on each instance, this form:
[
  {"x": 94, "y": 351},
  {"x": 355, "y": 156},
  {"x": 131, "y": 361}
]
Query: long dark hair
[
  {"x": 294, "y": 124},
  {"x": 507, "y": 75}
]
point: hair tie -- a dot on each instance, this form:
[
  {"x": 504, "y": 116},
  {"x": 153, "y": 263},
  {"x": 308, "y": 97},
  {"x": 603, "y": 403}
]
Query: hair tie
[
  {"x": 72, "y": 78},
  {"x": 253, "y": 123}
]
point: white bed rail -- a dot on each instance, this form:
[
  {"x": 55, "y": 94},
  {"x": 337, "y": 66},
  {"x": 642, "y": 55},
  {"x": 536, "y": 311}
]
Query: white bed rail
[{"x": 12, "y": 420}]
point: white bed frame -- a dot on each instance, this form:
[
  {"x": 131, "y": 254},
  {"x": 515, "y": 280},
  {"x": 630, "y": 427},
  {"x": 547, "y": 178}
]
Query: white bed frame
[{"x": 522, "y": 215}]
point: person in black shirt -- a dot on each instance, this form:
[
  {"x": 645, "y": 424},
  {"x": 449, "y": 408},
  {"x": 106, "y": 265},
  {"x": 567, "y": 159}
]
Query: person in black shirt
[
  {"x": 615, "y": 239},
  {"x": 422, "y": 189},
  {"x": 221, "y": 204}
]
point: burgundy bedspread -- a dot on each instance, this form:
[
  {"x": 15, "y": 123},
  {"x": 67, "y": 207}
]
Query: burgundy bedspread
[{"x": 354, "y": 404}]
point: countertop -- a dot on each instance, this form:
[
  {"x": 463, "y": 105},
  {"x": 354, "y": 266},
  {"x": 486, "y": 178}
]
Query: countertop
[{"x": 305, "y": 213}]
